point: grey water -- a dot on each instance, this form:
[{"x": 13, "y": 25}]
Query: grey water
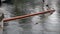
[{"x": 45, "y": 25}]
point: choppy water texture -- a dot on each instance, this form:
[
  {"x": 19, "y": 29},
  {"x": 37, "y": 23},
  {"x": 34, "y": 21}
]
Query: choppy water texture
[{"x": 49, "y": 25}]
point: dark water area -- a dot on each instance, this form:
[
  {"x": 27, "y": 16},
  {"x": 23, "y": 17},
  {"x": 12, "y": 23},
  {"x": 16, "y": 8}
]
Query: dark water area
[{"x": 35, "y": 24}]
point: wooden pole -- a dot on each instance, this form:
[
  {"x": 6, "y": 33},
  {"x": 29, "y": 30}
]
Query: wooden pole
[{"x": 25, "y": 16}]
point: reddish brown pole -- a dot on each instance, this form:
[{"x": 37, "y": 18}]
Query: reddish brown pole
[{"x": 24, "y": 16}]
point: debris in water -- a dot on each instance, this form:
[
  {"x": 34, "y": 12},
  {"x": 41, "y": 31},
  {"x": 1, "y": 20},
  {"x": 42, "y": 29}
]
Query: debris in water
[{"x": 36, "y": 23}]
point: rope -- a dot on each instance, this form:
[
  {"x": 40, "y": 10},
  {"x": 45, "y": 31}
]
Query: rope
[{"x": 25, "y": 16}]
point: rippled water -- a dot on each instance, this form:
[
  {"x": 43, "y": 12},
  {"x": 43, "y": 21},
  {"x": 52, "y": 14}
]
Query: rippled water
[{"x": 45, "y": 25}]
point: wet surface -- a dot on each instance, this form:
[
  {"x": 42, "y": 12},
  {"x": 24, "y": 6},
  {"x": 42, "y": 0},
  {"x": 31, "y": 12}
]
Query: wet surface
[
  {"x": 1, "y": 30},
  {"x": 35, "y": 24}
]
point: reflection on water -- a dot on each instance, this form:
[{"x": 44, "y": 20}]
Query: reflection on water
[{"x": 47, "y": 25}]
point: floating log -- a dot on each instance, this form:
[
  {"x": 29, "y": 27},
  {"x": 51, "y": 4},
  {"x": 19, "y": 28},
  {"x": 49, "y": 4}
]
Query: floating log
[{"x": 28, "y": 15}]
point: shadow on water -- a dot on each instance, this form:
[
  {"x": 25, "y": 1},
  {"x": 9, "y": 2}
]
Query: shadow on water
[{"x": 21, "y": 11}]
